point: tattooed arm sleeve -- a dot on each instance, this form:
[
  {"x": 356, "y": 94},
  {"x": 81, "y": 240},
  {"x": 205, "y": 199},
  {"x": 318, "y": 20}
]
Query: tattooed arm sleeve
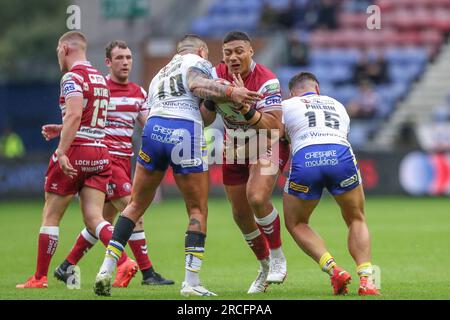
[{"x": 203, "y": 87}]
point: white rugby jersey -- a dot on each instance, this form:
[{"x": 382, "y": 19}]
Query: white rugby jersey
[
  {"x": 169, "y": 95},
  {"x": 315, "y": 119}
]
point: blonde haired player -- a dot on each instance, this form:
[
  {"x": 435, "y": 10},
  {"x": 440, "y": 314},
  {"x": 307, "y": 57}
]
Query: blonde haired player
[
  {"x": 81, "y": 163},
  {"x": 127, "y": 109}
]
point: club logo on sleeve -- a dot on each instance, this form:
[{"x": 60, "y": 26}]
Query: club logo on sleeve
[
  {"x": 145, "y": 157},
  {"x": 298, "y": 187},
  {"x": 68, "y": 87},
  {"x": 348, "y": 182},
  {"x": 273, "y": 99},
  {"x": 271, "y": 88},
  {"x": 126, "y": 187}
]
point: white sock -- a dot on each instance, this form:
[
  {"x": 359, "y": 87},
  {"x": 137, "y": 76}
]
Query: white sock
[
  {"x": 265, "y": 263},
  {"x": 109, "y": 265},
  {"x": 276, "y": 253},
  {"x": 112, "y": 255},
  {"x": 267, "y": 219},
  {"x": 88, "y": 236},
  {"x": 192, "y": 278}
]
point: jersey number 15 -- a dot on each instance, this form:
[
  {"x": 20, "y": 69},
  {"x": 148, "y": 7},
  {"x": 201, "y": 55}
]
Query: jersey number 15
[{"x": 331, "y": 119}]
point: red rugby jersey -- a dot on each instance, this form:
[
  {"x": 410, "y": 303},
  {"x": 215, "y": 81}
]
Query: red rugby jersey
[
  {"x": 126, "y": 103},
  {"x": 261, "y": 80},
  {"x": 86, "y": 81}
]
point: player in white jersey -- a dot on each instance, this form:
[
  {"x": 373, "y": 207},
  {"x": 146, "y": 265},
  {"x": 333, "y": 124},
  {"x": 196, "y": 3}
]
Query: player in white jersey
[
  {"x": 317, "y": 127},
  {"x": 173, "y": 135}
]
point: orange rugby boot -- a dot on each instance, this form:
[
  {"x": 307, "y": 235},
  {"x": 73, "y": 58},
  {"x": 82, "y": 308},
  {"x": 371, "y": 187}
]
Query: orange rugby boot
[
  {"x": 339, "y": 281},
  {"x": 33, "y": 283},
  {"x": 125, "y": 272},
  {"x": 366, "y": 288}
]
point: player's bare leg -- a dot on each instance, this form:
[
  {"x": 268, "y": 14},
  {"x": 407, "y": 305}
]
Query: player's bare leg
[
  {"x": 296, "y": 214},
  {"x": 110, "y": 211},
  {"x": 84, "y": 242},
  {"x": 92, "y": 202},
  {"x": 54, "y": 208},
  {"x": 259, "y": 189},
  {"x": 243, "y": 216},
  {"x": 194, "y": 187},
  {"x": 352, "y": 209},
  {"x": 144, "y": 187}
]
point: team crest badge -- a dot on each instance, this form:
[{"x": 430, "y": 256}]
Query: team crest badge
[{"x": 127, "y": 187}]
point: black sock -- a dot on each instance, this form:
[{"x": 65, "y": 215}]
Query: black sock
[
  {"x": 65, "y": 265},
  {"x": 123, "y": 230},
  {"x": 148, "y": 273},
  {"x": 194, "y": 239}
]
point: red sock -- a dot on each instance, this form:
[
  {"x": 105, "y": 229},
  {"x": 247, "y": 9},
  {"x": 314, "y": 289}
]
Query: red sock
[
  {"x": 48, "y": 241},
  {"x": 104, "y": 232},
  {"x": 85, "y": 241},
  {"x": 270, "y": 227},
  {"x": 139, "y": 247},
  {"x": 258, "y": 244}
]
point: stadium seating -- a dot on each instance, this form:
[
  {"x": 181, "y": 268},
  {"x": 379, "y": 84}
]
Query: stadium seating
[{"x": 412, "y": 33}]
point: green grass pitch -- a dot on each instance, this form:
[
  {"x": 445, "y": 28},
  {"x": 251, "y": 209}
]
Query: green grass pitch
[{"x": 410, "y": 239}]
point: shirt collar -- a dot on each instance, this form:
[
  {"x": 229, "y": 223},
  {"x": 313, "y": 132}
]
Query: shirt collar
[{"x": 82, "y": 63}]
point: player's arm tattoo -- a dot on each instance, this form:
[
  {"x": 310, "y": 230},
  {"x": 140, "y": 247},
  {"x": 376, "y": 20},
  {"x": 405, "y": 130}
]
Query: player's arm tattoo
[
  {"x": 205, "y": 88},
  {"x": 194, "y": 225}
]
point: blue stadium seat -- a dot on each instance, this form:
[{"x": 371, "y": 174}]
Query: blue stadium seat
[
  {"x": 344, "y": 56},
  {"x": 411, "y": 55},
  {"x": 360, "y": 130},
  {"x": 404, "y": 73},
  {"x": 201, "y": 27},
  {"x": 279, "y": 4},
  {"x": 326, "y": 88},
  {"x": 345, "y": 93},
  {"x": 340, "y": 73}
]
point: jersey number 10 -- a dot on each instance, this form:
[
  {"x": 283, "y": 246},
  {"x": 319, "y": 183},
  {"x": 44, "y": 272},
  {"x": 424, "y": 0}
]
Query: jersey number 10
[{"x": 176, "y": 87}]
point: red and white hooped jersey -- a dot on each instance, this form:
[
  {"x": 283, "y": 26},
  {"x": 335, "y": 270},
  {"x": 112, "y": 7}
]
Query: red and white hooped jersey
[
  {"x": 85, "y": 81},
  {"x": 261, "y": 80},
  {"x": 126, "y": 103}
]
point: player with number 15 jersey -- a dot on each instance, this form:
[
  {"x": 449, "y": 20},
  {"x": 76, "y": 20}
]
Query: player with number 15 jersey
[
  {"x": 317, "y": 127},
  {"x": 322, "y": 157}
]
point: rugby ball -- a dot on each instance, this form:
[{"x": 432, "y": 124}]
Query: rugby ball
[{"x": 229, "y": 111}]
